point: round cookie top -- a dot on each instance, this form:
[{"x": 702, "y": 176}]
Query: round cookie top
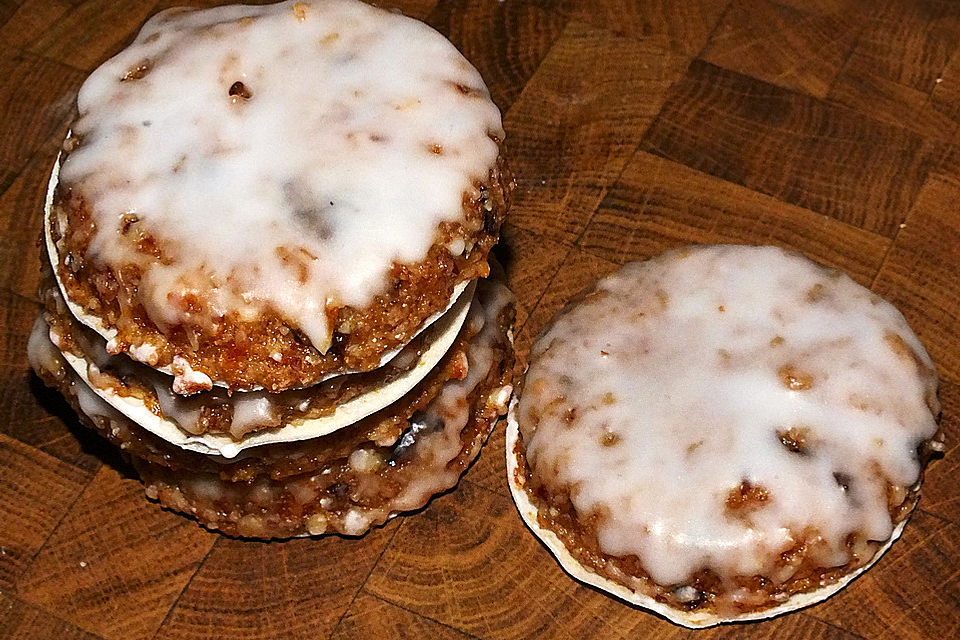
[
  {"x": 283, "y": 155},
  {"x": 716, "y": 406}
]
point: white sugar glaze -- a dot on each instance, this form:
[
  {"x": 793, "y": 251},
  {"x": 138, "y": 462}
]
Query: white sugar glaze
[
  {"x": 694, "y": 619},
  {"x": 146, "y": 353},
  {"x": 427, "y": 448},
  {"x": 177, "y": 420},
  {"x": 678, "y": 365},
  {"x": 358, "y": 131}
]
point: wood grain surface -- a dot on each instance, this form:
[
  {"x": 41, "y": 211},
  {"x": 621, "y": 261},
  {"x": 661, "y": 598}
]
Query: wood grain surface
[{"x": 827, "y": 126}]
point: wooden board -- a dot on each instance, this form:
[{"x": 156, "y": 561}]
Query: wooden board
[{"x": 827, "y": 126}]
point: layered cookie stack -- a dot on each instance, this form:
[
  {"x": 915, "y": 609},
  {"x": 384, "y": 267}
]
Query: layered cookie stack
[{"x": 265, "y": 236}]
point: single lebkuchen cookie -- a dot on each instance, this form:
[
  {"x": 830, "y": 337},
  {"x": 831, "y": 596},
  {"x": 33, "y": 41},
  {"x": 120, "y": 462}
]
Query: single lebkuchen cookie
[
  {"x": 266, "y": 196},
  {"x": 723, "y": 433}
]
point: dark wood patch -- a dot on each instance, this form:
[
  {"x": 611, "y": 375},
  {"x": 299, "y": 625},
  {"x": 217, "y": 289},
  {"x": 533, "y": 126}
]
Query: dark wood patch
[
  {"x": 371, "y": 617},
  {"x": 507, "y": 41},
  {"x": 37, "y": 101},
  {"x": 273, "y": 589},
  {"x": 36, "y": 491},
  {"x": 26, "y": 622},
  {"x": 683, "y": 26},
  {"x": 798, "y": 149},
  {"x": 29, "y": 412},
  {"x": 116, "y": 563},
  {"x": 784, "y": 46},
  {"x": 91, "y": 31},
  {"x": 920, "y": 274},
  {"x": 578, "y": 120},
  {"x": 21, "y": 220},
  {"x": 658, "y": 205}
]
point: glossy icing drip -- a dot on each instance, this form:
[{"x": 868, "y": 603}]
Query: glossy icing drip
[
  {"x": 717, "y": 406},
  {"x": 451, "y": 408},
  {"x": 282, "y": 156},
  {"x": 421, "y": 461},
  {"x": 248, "y": 411}
]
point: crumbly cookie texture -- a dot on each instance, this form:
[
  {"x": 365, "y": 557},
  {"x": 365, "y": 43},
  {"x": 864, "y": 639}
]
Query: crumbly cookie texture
[
  {"x": 279, "y": 169},
  {"x": 721, "y": 427},
  {"x": 294, "y": 414},
  {"x": 345, "y": 482}
]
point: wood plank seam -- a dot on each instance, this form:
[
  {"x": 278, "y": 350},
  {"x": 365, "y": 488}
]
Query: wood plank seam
[
  {"x": 653, "y": 121},
  {"x": 930, "y": 513},
  {"x": 411, "y": 611},
  {"x": 713, "y": 32},
  {"x": 886, "y": 255},
  {"x": 808, "y": 613},
  {"x": 586, "y": 249},
  {"x": 889, "y": 253},
  {"x": 20, "y": 296},
  {"x": 60, "y": 520},
  {"x": 606, "y": 188},
  {"x": 61, "y": 438},
  {"x": 186, "y": 586},
  {"x": 533, "y": 308},
  {"x": 487, "y": 489},
  {"x": 55, "y": 617},
  {"x": 53, "y": 142},
  {"x": 832, "y": 102},
  {"x": 649, "y": 144},
  {"x": 369, "y": 573},
  {"x": 846, "y": 58},
  {"x": 517, "y": 99}
]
